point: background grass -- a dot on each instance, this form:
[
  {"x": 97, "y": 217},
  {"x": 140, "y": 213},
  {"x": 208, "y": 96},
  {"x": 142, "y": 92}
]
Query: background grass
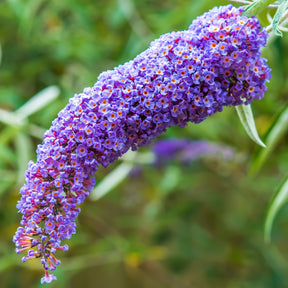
[{"x": 198, "y": 224}]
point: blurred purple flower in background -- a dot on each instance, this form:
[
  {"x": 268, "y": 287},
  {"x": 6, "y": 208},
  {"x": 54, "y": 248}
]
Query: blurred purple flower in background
[{"x": 185, "y": 150}]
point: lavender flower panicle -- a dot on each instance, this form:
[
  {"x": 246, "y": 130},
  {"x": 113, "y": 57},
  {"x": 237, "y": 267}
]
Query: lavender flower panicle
[
  {"x": 182, "y": 77},
  {"x": 187, "y": 151}
]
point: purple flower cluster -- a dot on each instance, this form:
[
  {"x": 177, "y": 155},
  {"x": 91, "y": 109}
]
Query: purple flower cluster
[
  {"x": 185, "y": 151},
  {"x": 182, "y": 77}
]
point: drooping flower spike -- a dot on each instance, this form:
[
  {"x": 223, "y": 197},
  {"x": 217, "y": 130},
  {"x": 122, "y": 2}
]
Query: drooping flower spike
[{"x": 182, "y": 77}]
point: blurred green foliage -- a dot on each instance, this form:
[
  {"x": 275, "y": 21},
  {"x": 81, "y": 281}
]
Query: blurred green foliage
[{"x": 194, "y": 225}]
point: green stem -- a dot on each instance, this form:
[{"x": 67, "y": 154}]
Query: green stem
[{"x": 256, "y": 7}]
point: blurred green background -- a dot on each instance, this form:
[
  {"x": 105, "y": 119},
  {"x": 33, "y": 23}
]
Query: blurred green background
[{"x": 195, "y": 224}]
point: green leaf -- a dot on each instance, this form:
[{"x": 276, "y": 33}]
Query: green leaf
[
  {"x": 36, "y": 131},
  {"x": 248, "y": 8},
  {"x": 170, "y": 179},
  {"x": 16, "y": 6},
  {"x": 279, "y": 199},
  {"x": 115, "y": 177},
  {"x": 29, "y": 11},
  {"x": 24, "y": 153},
  {"x": 10, "y": 118},
  {"x": 256, "y": 7},
  {"x": 37, "y": 102},
  {"x": 111, "y": 181},
  {"x": 276, "y": 131},
  {"x": 276, "y": 19},
  {"x": 246, "y": 117}
]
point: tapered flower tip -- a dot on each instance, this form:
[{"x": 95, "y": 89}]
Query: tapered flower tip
[{"x": 48, "y": 278}]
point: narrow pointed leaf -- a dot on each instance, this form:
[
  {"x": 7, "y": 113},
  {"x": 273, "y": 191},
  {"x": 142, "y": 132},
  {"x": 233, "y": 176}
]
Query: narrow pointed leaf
[
  {"x": 10, "y": 118},
  {"x": 24, "y": 154},
  {"x": 111, "y": 181},
  {"x": 276, "y": 19},
  {"x": 256, "y": 7},
  {"x": 248, "y": 8},
  {"x": 279, "y": 199},
  {"x": 275, "y": 133},
  {"x": 246, "y": 117},
  {"x": 39, "y": 101}
]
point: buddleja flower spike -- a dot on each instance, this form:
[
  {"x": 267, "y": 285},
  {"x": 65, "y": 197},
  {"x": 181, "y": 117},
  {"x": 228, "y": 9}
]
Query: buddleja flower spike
[{"x": 182, "y": 77}]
